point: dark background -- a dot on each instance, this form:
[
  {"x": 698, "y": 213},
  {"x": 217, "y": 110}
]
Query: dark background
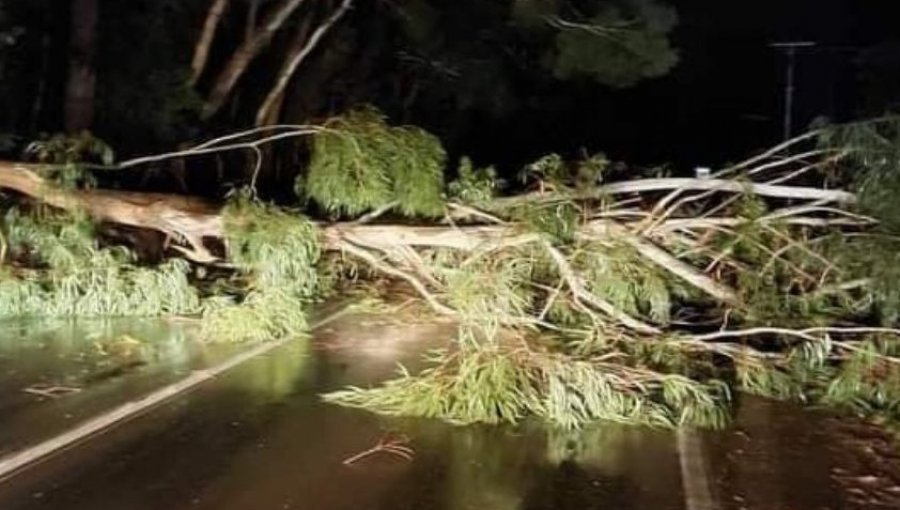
[
  {"x": 725, "y": 97},
  {"x": 722, "y": 101}
]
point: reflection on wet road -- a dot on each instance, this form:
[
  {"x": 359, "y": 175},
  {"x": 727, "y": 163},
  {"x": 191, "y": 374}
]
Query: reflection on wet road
[{"x": 259, "y": 438}]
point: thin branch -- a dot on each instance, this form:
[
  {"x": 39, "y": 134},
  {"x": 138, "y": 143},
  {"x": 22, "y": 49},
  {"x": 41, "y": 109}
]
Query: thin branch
[
  {"x": 843, "y": 287},
  {"x": 207, "y": 149},
  {"x": 691, "y": 223},
  {"x": 778, "y": 149},
  {"x": 468, "y": 211},
  {"x": 396, "y": 447},
  {"x": 802, "y": 157},
  {"x": 594, "y": 29},
  {"x": 293, "y": 63},
  {"x": 800, "y": 333},
  {"x": 554, "y": 295},
  {"x": 377, "y": 213},
  {"x": 412, "y": 280},
  {"x": 687, "y": 183},
  {"x": 3, "y": 248},
  {"x": 51, "y": 391},
  {"x": 576, "y": 285},
  {"x": 246, "y": 53},
  {"x": 207, "y": 35},
  {"x": 257, "y": 167},
  {"x": 686, "y": 272},
  {"x": 257, "y": 130}
]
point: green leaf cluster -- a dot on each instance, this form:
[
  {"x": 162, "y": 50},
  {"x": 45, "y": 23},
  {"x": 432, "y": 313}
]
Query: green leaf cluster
[
  {"x": 64, "y": 157},
  {"x": 497, "y": 385},
  {"x": 277, "y": 254},
  {"x": 871, "y": 167},
  {"x": 360, "y": 163},
  {"x": 77, "y": 277},
  {"x": 617, "y": 43},
  {"x": 474, "y": 186}
]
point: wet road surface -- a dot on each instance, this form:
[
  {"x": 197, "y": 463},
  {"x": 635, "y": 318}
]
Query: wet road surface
[{"x": 260, "y": 438}]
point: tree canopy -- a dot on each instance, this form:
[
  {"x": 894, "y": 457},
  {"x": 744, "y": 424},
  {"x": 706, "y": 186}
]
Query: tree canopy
[{"x": 446, "y": 58}]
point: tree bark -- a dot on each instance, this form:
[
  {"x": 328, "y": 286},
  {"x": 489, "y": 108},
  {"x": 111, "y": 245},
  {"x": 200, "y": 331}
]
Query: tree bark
[
  {"x": 246, "y": 52},
  {"x": 270, "y": 111},
  {"x": 300, "y": 49},
  {"x": 82, "y": 78},
  {"x": 190, "y": 220},
  {"x": 207, "y": 36},
  {"x": 252, "y": 17},
  {"x": 692, "y": 184}
]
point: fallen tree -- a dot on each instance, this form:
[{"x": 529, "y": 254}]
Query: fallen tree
[{"x": 640, "y": 300}]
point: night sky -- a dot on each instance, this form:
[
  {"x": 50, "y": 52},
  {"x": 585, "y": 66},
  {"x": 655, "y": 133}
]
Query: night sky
[{"x": 725, "y": 98}]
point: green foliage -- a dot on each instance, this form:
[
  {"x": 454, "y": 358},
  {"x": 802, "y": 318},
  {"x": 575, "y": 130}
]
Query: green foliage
[
  {"x": 553, "y": 173},
  {"x": 619, "y": 275},
  {"x": 581, "y": 392},
  {"x": 499, "y": 374},
  {"x": 64, "y": 149},
  {"x": 64, "y": 157},
  {"x": 259, "y": 316},
  {"x": 600, "y": 296},
  {"x": 276, "y": 248},
  {"x": 550, "y": 169},
  {"x": 473, "y": 185},
  {"x": 487, "y": 290},
  {"x": 767, "y": 380},
  {"x": 559, "y": 221},
  {"x": 69, "y": 274},
  {"x": 475, "y": 55},
  {"x": 868, "y": 382},
  {"x": 359, "y": 163},
  {"x": 76, "y": 277},
  {"x": 871, "y": 164},
  {"x": 781, "y": 289},
  {"x": 499, "y": 384},
  {"x": 617, "y": 43},
  {"x": 872, "y": 168},
  {"x": 481, "y": 386},
  {"x": 277, "y": 254},
  {"x": 876, "y": 257}
]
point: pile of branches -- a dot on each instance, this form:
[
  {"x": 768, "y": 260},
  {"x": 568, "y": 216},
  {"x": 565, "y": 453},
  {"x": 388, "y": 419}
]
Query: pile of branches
[
  {"x": 649, "y": 300},
  {"x": 644, "y": 300}
]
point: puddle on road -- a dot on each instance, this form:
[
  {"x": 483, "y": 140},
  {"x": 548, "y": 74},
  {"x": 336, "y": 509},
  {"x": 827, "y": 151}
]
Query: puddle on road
[
  {"x": 54, "y": 375},
  {"x": 259, "y": 438}
]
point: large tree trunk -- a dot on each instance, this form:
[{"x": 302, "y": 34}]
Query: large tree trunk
[
  {"x": 246, "y": 52},
  {"x": 390, "y": 249},
  {"x": 189, "y": 220},
  {"x": 81, "y": 84}
]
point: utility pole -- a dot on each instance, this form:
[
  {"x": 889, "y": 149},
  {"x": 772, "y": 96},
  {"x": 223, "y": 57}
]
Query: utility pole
[{"x": 790, "y": 50}]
